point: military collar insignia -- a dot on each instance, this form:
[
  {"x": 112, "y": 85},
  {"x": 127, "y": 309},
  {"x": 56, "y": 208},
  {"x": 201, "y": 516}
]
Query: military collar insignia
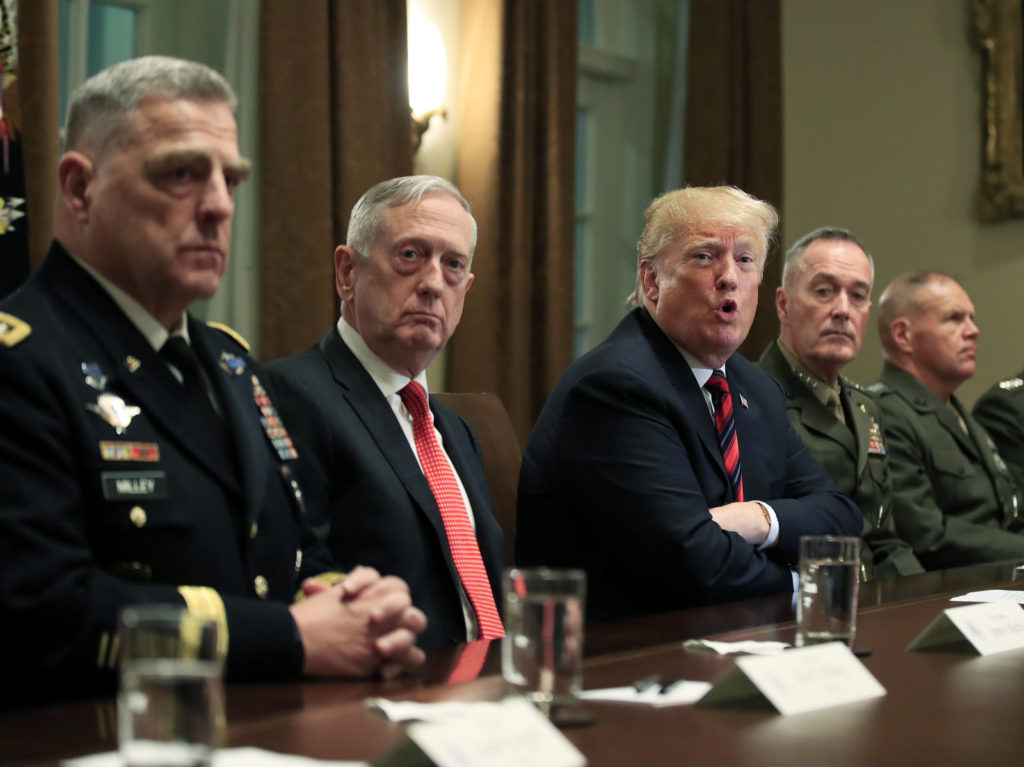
[
  {"x": 113, "y": 410},
  {"x": 807, "y": 380},
  {"x": 851, "y": 383},
  {"x": 271, "y": 422},
  {"x": 94, "y": 376},
  {"x": 232, "y": 364},
  {"x": 12, "y": 330},
  {"x": 1011, "y": 383}
]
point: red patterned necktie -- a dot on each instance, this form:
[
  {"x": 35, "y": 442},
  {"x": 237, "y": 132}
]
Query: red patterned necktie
[
  {"x": 461, "y": 538},
  {"x": 726, "y": 425}
]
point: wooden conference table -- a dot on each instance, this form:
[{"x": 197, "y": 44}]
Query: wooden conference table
[{"x": 941, "y": 708}]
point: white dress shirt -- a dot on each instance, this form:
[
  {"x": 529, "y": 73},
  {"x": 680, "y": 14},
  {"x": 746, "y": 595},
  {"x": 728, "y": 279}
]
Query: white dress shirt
[{"x": 390, "y": 382}]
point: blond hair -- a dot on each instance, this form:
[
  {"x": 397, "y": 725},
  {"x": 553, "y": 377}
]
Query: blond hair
[{"x": 676, "y": 214}]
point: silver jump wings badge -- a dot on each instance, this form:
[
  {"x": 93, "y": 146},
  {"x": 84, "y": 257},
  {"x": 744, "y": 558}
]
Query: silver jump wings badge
[{"x": 113, "y": 410}]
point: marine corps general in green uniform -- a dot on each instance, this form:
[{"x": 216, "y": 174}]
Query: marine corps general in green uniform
[
  {"x": 1001, "y": 411},
  {"x": 823, "y": 307},
  {"x": 956, "y": 502}
]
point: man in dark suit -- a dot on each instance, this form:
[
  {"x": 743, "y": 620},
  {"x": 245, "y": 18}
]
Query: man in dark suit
[
  {"x": 626, "y": 475},
  {"x": 140, "y": 453},
  {"x": 402, "y": 278},
  {"x": 823, "y": 306},
  {"x": 956, "y": 502}
]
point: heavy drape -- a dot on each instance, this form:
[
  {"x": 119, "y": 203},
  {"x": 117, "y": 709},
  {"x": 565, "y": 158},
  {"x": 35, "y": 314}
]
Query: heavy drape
[
  {"x": 334, "y": 120},
  {"x": 518, "y": 96},
  {"x": 39, "y": 106},
  {"x": 734, "y": 119}
]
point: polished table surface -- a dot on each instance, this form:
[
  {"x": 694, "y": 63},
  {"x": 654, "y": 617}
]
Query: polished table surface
[{"x": 940, "y": 708}]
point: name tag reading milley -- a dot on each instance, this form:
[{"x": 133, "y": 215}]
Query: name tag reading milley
[{"x": 134, "y": 485}]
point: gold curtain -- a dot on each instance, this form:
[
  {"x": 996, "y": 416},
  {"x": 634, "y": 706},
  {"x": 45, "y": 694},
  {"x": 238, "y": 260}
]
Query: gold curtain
[
  {"x": 39, "y": 106},
  {"x": 518, "y": 96},
  {"x": 734, "y": 119},
  {"x": 334, "y": 120}
]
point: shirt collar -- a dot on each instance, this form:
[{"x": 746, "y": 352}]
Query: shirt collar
[
  {"x": 155, "y": 333},
  {"x": 700, "y": 371},
  {"x": 388, "y": 380}
]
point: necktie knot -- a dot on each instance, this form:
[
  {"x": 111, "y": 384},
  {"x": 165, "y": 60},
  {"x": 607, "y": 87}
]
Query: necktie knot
[
  {"x": 179, "y": 353},
  {"x": 718, "y": 386},
  {"x": 414, "y": 399}
]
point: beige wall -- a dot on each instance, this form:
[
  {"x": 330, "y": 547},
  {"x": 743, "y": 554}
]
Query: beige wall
[{"x": 882, "y": 131}]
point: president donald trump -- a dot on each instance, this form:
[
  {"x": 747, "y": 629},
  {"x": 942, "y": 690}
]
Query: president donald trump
[{"x": 664, "y": 463}]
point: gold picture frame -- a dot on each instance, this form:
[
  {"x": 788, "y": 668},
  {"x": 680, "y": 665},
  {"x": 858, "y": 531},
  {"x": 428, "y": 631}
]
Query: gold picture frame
[{"x": 998, "y": 26}]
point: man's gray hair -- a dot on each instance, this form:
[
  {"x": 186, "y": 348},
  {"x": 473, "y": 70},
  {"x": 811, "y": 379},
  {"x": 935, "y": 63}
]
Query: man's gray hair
[
  {"x": 795, "y": 254},
  {"x": 98, "y": 106},
  {"x": 368, "y": 212}
]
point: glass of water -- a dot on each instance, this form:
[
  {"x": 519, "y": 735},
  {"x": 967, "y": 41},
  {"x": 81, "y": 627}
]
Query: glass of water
[
  {"x": 171, "y": 700},
  {"x": 826, "y": 607},
  {"x": 542, "y": 652}
]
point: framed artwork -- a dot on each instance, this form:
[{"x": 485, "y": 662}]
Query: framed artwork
[{"x": 998, "y": 26}]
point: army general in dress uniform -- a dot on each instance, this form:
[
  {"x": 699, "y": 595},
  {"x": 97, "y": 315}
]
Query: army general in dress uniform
[
  {"x": 141, "y": 452},
  {"x": 823, "y": 307},
  {"x": 956, "y": 502}
]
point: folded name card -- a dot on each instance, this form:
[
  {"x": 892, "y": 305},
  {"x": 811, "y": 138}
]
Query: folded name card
[
  {"x": 799, "y": 680},
  {"x": 509, "y": 734},
  {"x": 985, "y": 628}
]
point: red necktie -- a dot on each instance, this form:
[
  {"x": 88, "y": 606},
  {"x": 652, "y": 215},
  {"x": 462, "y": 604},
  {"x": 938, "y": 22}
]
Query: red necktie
[
  {"x": 726, "y": 425},
  {"x": 445, "y": 487}
]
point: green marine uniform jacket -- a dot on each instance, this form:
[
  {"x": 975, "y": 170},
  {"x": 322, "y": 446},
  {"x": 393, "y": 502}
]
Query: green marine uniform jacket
[
  {"x": 1001, "y": 411},
  {"x": 955, "y": 499},
  {"x": 854, "y": 455}
]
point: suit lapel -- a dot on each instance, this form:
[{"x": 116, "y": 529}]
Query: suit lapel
[
  {"x": 951, "y": 423},
  {"x": 690, "y": 396},
  {"x": 235, "y": 390},
  {"x": 365, "y": 398}
]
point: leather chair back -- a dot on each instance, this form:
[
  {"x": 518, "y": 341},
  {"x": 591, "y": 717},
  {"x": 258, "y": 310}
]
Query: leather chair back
[{"x": 502, "y": 455}]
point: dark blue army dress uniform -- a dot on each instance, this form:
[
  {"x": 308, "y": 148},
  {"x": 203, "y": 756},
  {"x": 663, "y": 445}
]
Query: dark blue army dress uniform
[{"x": 115, "y": 490}]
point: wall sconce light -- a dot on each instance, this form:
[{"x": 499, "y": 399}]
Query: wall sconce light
[{"x": 428, "y": 69}]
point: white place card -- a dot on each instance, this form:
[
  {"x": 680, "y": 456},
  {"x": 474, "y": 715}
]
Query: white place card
[
  {"x": 511, "y": 735},
  {"x": 991, "y": 595},
  {"x": 799, "y": 680},
  {"x": 986, "y": 628},
  {"x": 748, "y": 647},
  {"x": 679, "y": 693}
]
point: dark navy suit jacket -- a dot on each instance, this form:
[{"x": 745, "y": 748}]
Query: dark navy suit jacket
[
  {"x": 365, "y": 490},
  {"x": 624, "y": 463}
]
